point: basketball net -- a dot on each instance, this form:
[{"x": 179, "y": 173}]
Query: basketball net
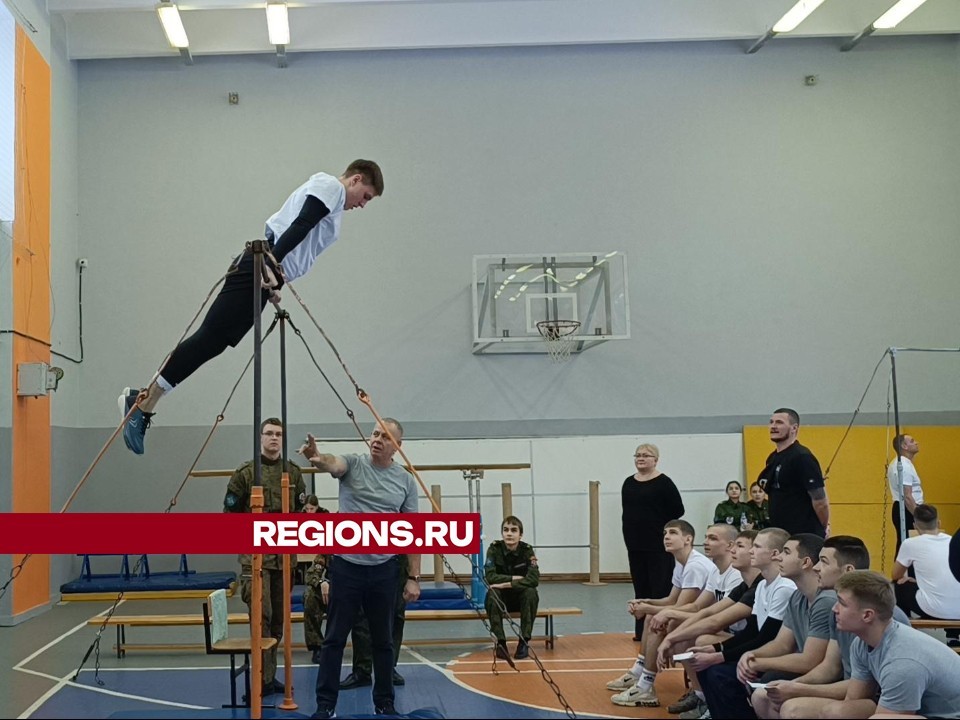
[{"x": 560, "y": 336}]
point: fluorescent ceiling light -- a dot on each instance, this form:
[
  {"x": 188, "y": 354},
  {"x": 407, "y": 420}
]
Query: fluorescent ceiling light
[
  {"x": 796, "y": 15},
  {"x": 172, "y": 26},
  {"x": 895, "y": 15},
  {"x": 278, "y": 28}
]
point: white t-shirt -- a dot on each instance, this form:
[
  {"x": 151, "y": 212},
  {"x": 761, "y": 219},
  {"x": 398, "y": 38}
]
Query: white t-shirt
[
  {"x": 721, "y": 583},
  {"x": 938, "y": 592},
  {"x": 330, "y": 191},
  {"x": 910, "y": 479},
  {"x": 772, "y": 599},
  {"x": 694, "y": 573}
]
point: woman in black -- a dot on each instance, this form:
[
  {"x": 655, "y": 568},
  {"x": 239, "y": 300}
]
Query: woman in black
[{"x": 650, "y": 500}]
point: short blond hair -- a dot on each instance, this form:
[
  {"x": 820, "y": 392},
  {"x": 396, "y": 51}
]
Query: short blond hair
[
  {"x": 649, "y": 447},
  {"x": 870, "y": 589}
]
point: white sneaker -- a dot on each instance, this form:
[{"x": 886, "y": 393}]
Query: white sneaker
[
  {"x": 635, "y": 697},
  {"x": 624, "y": 682}
]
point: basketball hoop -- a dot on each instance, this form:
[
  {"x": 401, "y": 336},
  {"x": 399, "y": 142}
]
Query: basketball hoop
[{"x": 560, "y": 336}]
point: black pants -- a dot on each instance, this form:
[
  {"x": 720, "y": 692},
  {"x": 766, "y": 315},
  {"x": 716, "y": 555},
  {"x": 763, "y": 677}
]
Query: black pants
[
  {"x": 352, "y": 587},
  {"x": 651, "y": 573},
  {"x": 726, "y": 696},
  {"x": 896, "y": 525},
  {"x": 907, "y": 601},
  {"x": 228, "y": 320}
]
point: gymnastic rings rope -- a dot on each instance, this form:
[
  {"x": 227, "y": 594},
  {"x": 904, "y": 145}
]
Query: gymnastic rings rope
[{"x": 853, "y": 418}]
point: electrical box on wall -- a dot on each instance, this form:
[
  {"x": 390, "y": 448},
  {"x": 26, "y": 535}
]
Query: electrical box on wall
[{"x": 37, "y": 379}]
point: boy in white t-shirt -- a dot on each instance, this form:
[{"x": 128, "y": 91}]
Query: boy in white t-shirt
[
  {"x": 306, "y": 224},
  {"x": 935, "y": 593},
  {"x": 690, "y": 576}
]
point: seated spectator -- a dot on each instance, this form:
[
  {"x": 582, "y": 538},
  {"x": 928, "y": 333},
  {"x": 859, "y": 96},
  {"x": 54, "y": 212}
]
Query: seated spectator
[
  {"x": 316, "y": 592},
  {"x": 721, "y": 619},
  {"x": 734, "y": 512},
  {"x": 311, "y": 505},
  {"x": 935, "y": 593},
  {"x": 690, "y": 576},
  {"x": 806, "y": 696},
  {"x": 716, "y": 663},
  {"x": 760, "y": 506},
  {"x": 512, "y": 573},
  {"x": 913, "y": 673}
]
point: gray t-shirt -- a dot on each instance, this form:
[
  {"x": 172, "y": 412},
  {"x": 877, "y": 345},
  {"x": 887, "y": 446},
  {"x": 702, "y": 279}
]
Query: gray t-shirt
[
  {"x": 845, "y": 639},
  {"x": 916, "y": 672},
  {"x": 806, "y": 619},
  {"x": 366, "y": 488}
]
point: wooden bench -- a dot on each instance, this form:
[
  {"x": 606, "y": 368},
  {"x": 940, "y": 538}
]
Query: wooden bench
[
  {"x": 122, "y": 622},
  {"x": 921, "y": 624}
]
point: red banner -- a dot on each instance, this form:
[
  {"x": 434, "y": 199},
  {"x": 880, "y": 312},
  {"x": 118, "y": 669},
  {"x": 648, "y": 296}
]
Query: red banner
[{"x": 239, "y": 533}]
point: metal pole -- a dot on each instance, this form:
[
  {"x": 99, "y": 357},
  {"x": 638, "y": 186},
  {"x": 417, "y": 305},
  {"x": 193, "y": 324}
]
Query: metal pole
[
  {"x": 896, "y": 422},
  {"x": 256, "y": 497},
  {"x": 438, "y": 572},
  {"x": 594, "y": 534},
  {"x": 287, "y": 703}
]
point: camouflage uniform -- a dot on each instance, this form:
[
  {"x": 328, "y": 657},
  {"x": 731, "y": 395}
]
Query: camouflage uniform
[
  {"x": 729, "y": 513},
  {"x": 314, "y": 608},
  {"x": 500, "y": 566},
  {"x": 762, "y": 513},
  {"x": 362, "y": 644},
  {"x": 237, "y": 499}
]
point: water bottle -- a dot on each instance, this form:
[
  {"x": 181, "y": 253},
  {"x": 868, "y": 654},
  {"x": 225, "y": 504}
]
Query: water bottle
[{"x": 743, "y": 521}]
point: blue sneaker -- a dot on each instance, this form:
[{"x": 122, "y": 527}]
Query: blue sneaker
[{"x": 136, "y": 426}]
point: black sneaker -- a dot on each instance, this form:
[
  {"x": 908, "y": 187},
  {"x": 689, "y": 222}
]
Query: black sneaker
[
  {"x": 274, "y": 688},
  {"x": 502, "y": 652},
  {"x": 355, "y": 680},
  {"x": 398, "y": 678},
  {"x": 386, "y": 709},
  {"x": 324, "y": 713},
  {"x": 523, "y": 651}
]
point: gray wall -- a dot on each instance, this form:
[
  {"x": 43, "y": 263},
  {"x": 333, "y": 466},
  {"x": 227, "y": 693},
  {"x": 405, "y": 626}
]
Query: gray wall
[{"x": 779, "y": 236}]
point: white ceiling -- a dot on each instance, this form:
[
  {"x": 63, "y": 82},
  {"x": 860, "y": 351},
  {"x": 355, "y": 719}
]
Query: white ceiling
[{"x": 130, "y": 28}]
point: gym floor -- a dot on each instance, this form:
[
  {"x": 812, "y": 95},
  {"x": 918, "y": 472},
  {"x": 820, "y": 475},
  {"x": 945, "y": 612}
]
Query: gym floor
[{"x": 39, "y": 658}]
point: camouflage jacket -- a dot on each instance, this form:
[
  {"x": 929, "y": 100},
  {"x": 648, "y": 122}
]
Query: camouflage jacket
[
  {"x": 502, "y": 564},
  {"x": 237, "y": 498}
]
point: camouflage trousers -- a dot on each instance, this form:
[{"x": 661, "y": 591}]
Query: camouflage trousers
[
  {"x": 522, "y": 600},
  {"x": 272, "y": 617}
]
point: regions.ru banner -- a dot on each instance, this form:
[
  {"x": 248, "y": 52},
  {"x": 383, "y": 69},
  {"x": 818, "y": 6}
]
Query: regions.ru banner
[{"x": 240, "y": 533}]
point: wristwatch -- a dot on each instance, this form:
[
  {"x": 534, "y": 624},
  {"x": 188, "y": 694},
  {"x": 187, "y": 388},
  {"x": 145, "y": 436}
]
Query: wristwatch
[{"x": 415, "y": 578}]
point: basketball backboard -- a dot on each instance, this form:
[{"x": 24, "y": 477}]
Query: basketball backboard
[{"x": 512, "y": 293}]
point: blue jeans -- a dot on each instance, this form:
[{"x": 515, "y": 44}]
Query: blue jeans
[{"x": 352, "y": 586}]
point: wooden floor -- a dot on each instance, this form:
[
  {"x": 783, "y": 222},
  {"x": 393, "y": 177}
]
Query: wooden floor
[{"x": 580, "y": 665}]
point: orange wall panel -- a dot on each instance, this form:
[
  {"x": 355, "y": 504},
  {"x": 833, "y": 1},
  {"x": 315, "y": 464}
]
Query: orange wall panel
[{"x": 31, "y": 306}]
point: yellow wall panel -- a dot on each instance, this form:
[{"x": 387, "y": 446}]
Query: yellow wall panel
[{"x": 856, "y": 485}]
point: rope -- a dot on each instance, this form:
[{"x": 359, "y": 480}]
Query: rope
[{"x": 853, "y": 418}]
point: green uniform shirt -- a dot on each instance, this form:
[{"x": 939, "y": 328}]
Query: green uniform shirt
[
  {"x": 734, "y": 514},
  {"x": 237, "y": 498},
  {"x": 502, "y": 564}
]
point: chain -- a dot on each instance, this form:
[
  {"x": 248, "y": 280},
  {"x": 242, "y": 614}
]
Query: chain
[
  {"x": 350, "y": 413},
  {"x": 14, "y": 572}
]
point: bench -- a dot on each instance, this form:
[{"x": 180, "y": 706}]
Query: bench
[
  {"x": 122, "y": 622},
  {"x": 923, "y": 624}
]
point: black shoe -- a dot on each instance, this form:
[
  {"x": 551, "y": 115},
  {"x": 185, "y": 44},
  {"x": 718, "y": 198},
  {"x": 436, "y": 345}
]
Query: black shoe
[
  {"x": 501, "y": 652},
  {"x": 355, "y": 680},
  {"x": 324, "y": 713},
  {"x": 315, "y": 658},
  {"x": 523, "y": 651},
  {"x": 274, "y": 688},
  {"x": 398, "y": 678},
  {"x": 386, "y": 709}
]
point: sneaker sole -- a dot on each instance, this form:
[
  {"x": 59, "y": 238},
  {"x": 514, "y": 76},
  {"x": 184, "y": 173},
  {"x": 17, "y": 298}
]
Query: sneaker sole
[{"x": 642, "y": 703}]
